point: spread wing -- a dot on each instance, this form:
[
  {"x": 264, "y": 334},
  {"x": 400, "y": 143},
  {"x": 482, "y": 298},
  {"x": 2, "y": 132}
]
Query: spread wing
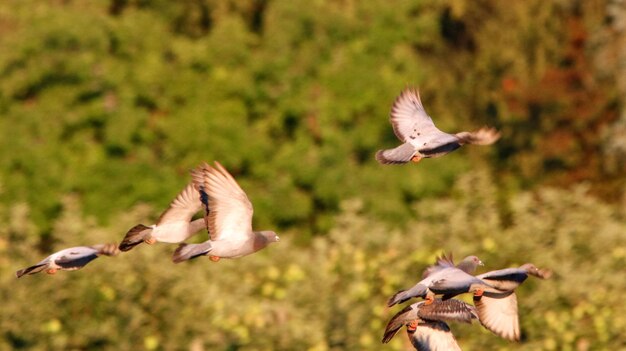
[
  {"x": 449, "y": 310},
  {"x": 230, "y": 215},
  {"x": 76, "y": 257},
  {"x": 433, "y": 336},
  {"x": 504, "y": 279},
  {"x": 185, "y": 205},
  {"x": 409, "y": 119},
  {"x": 498, "y": 313}
]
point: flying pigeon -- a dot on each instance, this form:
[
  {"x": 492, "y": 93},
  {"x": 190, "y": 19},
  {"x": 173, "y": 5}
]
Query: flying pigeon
[
  {"x": 420, "y": 137},
  {"x": 174, "y": 225},
  {"x": 229, "y": 221},
  {"x": 70, "y": 259},
  {"x": 444, "y": 278},
  {"x": 497, "y": 310},
  {"x": 421, "y": 312}
]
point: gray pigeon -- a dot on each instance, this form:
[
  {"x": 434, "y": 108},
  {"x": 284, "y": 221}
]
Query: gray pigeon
[
  {"x": 70, "y": 259},
  {"x": 497, "y": 310},
  {"x": 420, "y": 137},
  {"x": 174, "y": 225},
  {"x": 444, "y": 278},
  {"x": 229, "y": 221},
  {"x": 422, "y": 312}
]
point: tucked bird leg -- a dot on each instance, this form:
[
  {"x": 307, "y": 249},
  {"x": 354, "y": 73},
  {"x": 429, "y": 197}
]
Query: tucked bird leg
[
  {"x": 430, "y": 298},
  {"x": 479, "y": 293},
  {"x": 214, "y": 258},
  {"x": 51, "y": 271},
  {"x": 416, "y": 158},
  {"x": 412, "y": 326},
  {"x": 150, "y": 240}
]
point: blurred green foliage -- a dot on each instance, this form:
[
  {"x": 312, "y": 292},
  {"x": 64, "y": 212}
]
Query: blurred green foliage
[
  {"x": 106, "y": 105},
  {"x": 331, "y": 295}
]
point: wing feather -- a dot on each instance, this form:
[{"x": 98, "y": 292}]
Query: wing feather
[
  {"x": 76, "y": 257},
  {"x": 434, "y": 336},
  {"x": 408, "y": 117},
  {"x": 230, "y": 215},
  {"x": 183, "y": 207},
  {"x": 498, "y": 313}
]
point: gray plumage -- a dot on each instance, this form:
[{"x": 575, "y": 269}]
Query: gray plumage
[
  {"x": 497, "y": 310},
  {"x": 444, "y": 278},
  {"x": 69, "y": 259},
  {"x": 419, "y": 135},
  {"x": 229, "y": 221}
]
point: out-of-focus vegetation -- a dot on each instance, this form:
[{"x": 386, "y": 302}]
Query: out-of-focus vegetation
[
  {"x": 106, "y": 105},
  {"x": 330, "y": 295}
]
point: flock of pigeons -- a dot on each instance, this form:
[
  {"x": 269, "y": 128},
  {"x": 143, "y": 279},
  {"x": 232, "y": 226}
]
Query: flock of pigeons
[
  {"x": 228, "y": 221},
  {"x": 495, "y": 302}
]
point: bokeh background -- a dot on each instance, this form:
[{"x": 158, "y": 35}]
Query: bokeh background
[{"x": 106, "y": 105}]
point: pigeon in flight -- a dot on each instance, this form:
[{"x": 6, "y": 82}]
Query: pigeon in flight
[
  {"x": 175, "y": 224},
  {"x": 419, "y": 136},
  {"x": 69, "y": 259},
  {"x": 229, "y": 221}
]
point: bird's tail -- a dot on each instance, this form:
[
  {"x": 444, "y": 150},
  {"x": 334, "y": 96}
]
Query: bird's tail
[
  {"x": 396, "y": 322},
  {"x": 186, "y": 252},
  {"x": 398, "y": 155},
  {"x": 403, "y": 295},
  {"x": 134, "y": 237},
  {"x": 31, "y": 270}
]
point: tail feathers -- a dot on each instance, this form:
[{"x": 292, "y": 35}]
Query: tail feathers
[
  {"x": 403, "y": 295},
  {"x": 135, "y": 236},
  {"x": 390, "y": 332},
  {"x": 186, "y": 252},
  {"x": 398, "y": 155},
  {"x": 397, "y": 298},
  {"x": 31, "y": 270},
  {"x": 397, "y": 321}
]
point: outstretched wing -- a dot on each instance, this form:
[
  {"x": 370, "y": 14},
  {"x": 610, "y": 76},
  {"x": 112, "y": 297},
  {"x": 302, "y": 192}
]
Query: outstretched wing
[
  {"x": 498, "y": 313},
  {"x": 408, "y": 117},
  {"x": 504, "y": 279},
  {"x": 448, "y": 310},
  {"x": 433, "y": 336},
  {"x": 185, "y": 205},
  {"x": 75, "y": 257},
  {"x": 231, "y": 211}
]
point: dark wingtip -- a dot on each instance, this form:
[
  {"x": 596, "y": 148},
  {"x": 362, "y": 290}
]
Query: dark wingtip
[
  {"x": 178, "y": 256},
  {"x": 20, "y": 273}
]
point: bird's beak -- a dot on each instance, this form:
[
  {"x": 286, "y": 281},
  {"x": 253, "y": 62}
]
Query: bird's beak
[
  {"x": 277, "y": 238},
  {"x": 480, "y": 263}
]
